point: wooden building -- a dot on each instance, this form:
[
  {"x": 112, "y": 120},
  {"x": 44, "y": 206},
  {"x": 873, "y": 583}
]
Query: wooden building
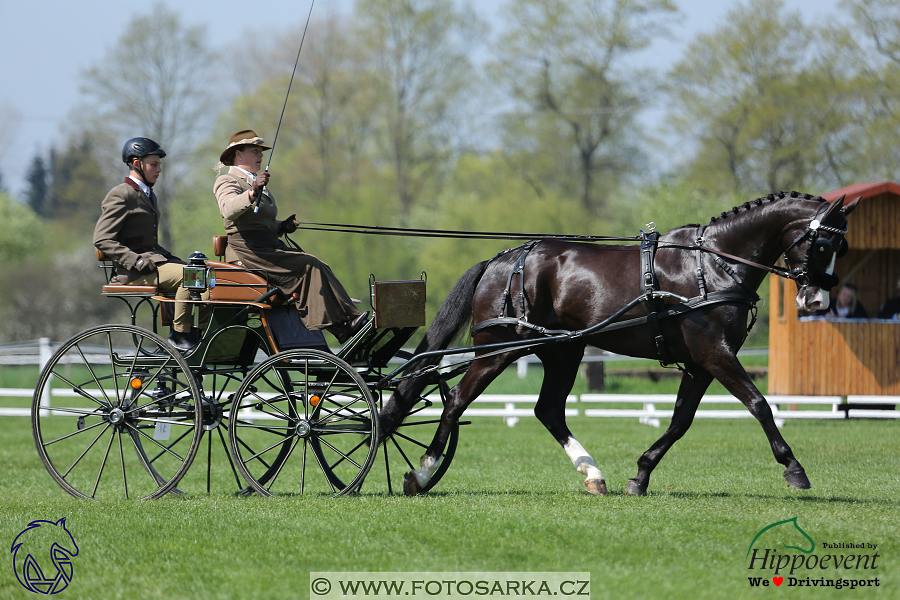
[{"x": 841, "y": 357}]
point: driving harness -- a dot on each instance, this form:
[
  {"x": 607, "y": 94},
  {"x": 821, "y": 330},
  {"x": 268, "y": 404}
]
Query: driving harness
[{"x": 649, "y": 285}]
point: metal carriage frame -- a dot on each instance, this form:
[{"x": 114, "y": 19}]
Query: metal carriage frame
[{"x": 290, "y": 415}]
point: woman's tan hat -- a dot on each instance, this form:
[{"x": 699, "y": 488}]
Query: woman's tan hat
[{"x": 245, "y": 137}]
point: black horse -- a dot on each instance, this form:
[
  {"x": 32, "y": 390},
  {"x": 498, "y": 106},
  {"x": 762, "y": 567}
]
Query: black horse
[{"x": 555, "y": 288}]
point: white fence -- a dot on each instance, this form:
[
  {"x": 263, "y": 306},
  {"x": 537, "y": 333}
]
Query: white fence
[{"x": 648, "y": 409}]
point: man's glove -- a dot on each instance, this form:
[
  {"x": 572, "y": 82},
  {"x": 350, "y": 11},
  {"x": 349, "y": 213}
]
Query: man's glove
[
  {"x": 289, "y": 225},
  {"x": 145, "y": 264},
  {"x": 258, "y": 184}
]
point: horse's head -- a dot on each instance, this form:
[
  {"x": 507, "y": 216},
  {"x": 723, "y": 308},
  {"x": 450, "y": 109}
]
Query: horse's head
[{"x": 813, "y": 243}]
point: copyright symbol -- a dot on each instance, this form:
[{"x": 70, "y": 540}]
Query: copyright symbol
[{"x": 320, "y": 586}]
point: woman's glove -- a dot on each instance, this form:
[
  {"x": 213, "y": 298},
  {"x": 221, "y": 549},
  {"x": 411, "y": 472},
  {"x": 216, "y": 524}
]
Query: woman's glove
[
  {"x": 258, "y": 184},
  {"x": 289, "y": 225}
]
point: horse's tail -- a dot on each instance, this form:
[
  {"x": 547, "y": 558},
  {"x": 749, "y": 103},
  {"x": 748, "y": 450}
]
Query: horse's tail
[
  {"x": 449, "y": 322},
  {"x": 454, "y": 313}
]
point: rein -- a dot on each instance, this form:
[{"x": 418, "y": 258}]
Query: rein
[
  {"x": 495, "y": 235},
  {"x": 455, "y": 233},
  {"x": 774, "y": 270}
]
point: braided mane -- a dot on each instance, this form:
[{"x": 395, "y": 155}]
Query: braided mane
[{"x": 759, "y": 201}]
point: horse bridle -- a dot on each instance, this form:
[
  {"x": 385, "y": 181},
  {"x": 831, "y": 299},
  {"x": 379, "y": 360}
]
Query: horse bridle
[
  {"x": 802, "y": 274},
  {"x": 818, "y": 243}
]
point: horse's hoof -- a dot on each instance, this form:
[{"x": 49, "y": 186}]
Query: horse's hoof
[
  {"x": 596, "y": 486},
  {"x": 411, "y": 485},
  {"x": 797, "y": 479},
  {"x": 634, "y": 488}
]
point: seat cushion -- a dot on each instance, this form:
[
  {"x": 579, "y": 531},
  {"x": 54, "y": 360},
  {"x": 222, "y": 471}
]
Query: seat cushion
[
  {"x": 122, "y": 289},
  {"x": 235, "y": 283}
]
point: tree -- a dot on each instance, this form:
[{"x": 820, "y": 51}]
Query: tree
[
  {"x": 76, "y": 184},
  {"x": 23, "y": 230},
  {"x": 329, "y": 117},
  {"x": 156, "y": 81},
  {"x": 769, "y": 107},
  {"x": 421, "y": 51},
  {"x": 37, "y": 192},
  {"x": 869, "y": 54},
  {"x": 564, "y": 63}
]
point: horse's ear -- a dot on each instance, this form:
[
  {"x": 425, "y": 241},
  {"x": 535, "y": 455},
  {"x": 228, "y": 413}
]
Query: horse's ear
[
  {"x": 848, "y": 208},
  {"x": 833, "y": 208}
]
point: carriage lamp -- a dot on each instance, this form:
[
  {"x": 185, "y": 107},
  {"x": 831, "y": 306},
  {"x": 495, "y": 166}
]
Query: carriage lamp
[{"x": 195, "y": 273}]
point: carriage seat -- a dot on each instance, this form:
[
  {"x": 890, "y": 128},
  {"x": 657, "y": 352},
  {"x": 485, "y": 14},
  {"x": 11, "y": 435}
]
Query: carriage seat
[
  {"x": 121, "y": 289},
  {"x": 233, "y": 281},
  {"x": 220, "y": 242}
]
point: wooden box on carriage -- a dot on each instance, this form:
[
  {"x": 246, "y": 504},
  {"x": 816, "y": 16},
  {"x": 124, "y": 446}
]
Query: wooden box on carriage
[{"x": 399, "y": 303}]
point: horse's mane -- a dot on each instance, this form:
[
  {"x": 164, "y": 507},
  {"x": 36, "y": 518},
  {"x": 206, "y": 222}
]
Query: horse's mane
[{"x": 759, "y": 201}]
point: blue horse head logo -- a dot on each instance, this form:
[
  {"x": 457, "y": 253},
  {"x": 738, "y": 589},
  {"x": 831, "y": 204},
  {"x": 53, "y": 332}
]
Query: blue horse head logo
[{"x": 42, "y": 556}]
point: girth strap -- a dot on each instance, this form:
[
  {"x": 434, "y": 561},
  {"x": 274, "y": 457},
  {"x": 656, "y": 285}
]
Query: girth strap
[{"x": 649, "y": 242}]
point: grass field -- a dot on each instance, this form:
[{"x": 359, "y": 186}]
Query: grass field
[{"x": 510, "y": 502}]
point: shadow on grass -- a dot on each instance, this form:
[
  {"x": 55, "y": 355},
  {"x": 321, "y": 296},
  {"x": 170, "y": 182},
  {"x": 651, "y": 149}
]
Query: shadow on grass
[{"x": 776, "y": 497}]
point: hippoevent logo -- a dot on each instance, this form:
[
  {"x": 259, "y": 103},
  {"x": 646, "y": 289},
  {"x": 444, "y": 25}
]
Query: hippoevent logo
[
  {"x": 42, "y": 556},
  {"x": 783, "y": 554}
]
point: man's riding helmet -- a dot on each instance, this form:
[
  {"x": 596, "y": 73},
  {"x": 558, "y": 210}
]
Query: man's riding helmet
[{"x": 140, "y": 147}]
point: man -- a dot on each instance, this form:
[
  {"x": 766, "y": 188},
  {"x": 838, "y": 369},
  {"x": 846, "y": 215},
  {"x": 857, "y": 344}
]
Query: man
[{"x": 127, "y": 234}]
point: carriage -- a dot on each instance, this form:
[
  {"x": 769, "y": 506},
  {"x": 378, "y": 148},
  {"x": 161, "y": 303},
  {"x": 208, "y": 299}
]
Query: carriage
[
  {"x": 303, "y": 419},
  {"x": 118, "y": 412}
]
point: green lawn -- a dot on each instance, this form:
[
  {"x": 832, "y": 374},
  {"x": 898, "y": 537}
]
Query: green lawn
[{"x": 511, "y": 501}]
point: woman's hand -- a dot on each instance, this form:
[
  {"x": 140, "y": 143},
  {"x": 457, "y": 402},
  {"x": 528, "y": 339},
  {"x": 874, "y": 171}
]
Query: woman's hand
[
  {"x": 258, "y": 184},
  {"x": 289, "y": 225}
]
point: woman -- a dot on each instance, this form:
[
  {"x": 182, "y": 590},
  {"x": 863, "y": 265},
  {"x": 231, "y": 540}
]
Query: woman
[
  {"x": 847, "y": 306},
  {"x": 248, "y": 210}
]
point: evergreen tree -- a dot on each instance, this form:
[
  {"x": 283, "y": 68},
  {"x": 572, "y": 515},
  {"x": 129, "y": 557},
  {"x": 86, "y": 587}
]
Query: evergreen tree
[{"x": 37, "y": 193}]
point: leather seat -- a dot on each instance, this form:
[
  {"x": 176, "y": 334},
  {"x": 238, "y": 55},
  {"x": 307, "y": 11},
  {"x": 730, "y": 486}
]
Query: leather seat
[
  {"x": 121, "y": 289},
  {"x": 220, "y": 242},
  {"x": 124, "y": 289},
  {"x": 235, "y": 283}
]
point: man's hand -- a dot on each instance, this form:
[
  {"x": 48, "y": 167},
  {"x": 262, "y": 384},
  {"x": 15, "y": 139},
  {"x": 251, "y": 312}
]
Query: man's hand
[
  {"x": 289, "y": 225},
  {"x": 258, "y": 184},
  {"x": 145, "y": 264}
]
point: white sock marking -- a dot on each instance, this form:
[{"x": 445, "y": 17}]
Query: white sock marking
[{"x": 581, "y": 459}]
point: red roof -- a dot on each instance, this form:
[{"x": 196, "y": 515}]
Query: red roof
[{"x": 866, "y": 190}]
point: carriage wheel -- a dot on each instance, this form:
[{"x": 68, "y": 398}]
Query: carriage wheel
[
  {"x": 303, "y": 421},
  {"x": 404, "y": 447},
  {"x": 218, "y": 385},
  {"x": 114, "y": 414}
]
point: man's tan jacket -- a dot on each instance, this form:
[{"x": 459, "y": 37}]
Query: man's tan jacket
[{"x": 128, "y": 228}]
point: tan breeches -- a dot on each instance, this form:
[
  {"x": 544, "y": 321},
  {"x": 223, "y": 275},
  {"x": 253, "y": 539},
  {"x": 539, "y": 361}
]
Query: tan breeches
[{"x": 168, "y": 278}]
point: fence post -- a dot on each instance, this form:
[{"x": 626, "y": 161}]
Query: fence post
[
  {"x": 44, "y": 358},
  {"x": 522, "y": 367}
]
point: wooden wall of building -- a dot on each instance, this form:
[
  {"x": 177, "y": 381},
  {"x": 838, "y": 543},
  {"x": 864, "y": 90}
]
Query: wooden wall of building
[{"x": 813, "y": 357}]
